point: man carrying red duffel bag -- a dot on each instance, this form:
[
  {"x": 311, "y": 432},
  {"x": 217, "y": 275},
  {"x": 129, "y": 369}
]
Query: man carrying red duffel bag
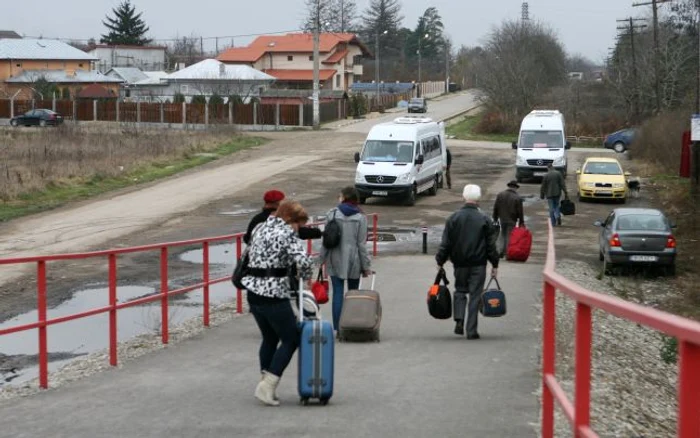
[{"x": 508, "y": 210}]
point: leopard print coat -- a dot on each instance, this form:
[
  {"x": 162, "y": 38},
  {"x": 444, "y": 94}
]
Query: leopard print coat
[{"x": 274, "y": 244}]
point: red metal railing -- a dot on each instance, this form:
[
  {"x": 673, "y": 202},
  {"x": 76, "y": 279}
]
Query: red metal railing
[
  {"x": 43, "y": 323},
  {"x": 578, "y": 412}
]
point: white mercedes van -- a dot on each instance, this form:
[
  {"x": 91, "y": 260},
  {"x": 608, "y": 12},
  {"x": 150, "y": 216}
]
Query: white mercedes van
[
  {"x": 542, "y": 141},
  {"x": 402, "y": 159}
]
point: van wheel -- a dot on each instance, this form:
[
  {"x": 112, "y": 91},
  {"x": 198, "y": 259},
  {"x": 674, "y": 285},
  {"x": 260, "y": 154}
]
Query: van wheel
[
  {"x": 434, "y": 189},
  {"x": 411, "y": 198}
]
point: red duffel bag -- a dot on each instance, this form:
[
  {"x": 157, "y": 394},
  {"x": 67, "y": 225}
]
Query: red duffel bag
[{"x": 519, "y": 245}]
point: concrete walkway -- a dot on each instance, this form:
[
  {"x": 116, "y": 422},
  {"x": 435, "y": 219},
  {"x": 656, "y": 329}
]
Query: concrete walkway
[{"x": 420, "y": 381}]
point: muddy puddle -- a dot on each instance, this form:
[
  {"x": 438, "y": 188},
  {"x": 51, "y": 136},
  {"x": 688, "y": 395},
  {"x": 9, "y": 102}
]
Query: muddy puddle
[{"x": 87, "y": 335}]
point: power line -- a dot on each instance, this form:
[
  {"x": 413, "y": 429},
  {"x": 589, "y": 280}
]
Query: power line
[
  {"x": 630, "y": 28},
  {"x": 655, "y": 14},
  {"x": 165, "y": 40}
]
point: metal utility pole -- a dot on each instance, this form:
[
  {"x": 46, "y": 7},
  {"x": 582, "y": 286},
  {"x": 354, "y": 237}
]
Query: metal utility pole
[
  {"x": 630, "y": 28},
  {"x": 376, "y": 64},
  {"x": 447, "y": 66},
  {"x": 420, "y": 59},
  {"x": 315, "y": 97},
  {"x": 655, "y": 14}
]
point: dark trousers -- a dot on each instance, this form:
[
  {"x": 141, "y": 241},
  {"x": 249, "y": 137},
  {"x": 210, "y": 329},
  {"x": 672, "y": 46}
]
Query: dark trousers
[
  {"x": 448, "y": 177},
  {"x": 469, "y": 282},
  {"x": 506, "y": 229},
  {"x": 278, "y": 326},
  {"x": 339, "y": 295}
]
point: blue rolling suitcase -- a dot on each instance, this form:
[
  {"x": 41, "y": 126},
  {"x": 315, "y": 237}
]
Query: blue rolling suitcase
[{"x": 316, "y": 358}]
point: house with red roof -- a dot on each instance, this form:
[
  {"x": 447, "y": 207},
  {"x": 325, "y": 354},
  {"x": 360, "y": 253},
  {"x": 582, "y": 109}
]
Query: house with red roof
[{"x": 289, "y": 59}]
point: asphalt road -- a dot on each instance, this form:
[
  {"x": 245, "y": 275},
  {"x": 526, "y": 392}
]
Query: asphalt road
[{"x": 420, "y": 381}]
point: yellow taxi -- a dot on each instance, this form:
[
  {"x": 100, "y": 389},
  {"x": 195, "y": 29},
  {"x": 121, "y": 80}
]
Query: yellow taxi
[{"x": 602, "y": 178}]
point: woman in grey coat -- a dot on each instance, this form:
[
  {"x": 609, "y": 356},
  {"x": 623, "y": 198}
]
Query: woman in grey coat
[{"x": 349, "y": 259}]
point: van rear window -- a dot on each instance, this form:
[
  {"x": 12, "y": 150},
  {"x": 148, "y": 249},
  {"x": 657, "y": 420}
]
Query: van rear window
[{"x": 541, "y": 139}]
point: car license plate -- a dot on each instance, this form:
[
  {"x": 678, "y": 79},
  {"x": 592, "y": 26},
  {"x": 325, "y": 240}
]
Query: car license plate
[
  {"x": 604, "y": 192},
  {"x": 540, "y": 173},
  {"x": 642, "y": 258},
  {"x": 380, "y": 193}
]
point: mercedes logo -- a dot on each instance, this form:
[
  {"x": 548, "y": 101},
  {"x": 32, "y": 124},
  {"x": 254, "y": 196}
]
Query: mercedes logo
[
  {"x": 540, "y": 162},
  {"x": 380, "y": 179}
]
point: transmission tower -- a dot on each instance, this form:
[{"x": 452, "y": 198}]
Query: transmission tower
[{"x": 525, "y": 11}]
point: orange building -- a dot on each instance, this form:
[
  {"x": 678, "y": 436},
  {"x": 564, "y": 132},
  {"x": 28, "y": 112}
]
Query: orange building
[
  {"x": 289, "y": 59},
  {"x": 25, "y": 61}
]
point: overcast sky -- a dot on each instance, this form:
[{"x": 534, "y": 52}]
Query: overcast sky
[{"x": 586, "y": 26}]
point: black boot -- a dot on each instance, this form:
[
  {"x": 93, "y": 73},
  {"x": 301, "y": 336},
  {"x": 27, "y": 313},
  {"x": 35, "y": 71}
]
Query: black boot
[{"x": 459, "y": 327}]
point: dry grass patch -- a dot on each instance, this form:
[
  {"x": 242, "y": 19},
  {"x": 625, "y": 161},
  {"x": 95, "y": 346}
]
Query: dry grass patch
[{"x": 41, "y": 169}]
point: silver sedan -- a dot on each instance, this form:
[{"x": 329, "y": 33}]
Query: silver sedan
[{"x": 637, "y": 237}]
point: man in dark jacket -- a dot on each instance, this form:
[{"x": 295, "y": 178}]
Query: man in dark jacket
[
  {"x": 469, "y": 241},
  {"x": 447, "y": 171},
  {"x": 272, "y": 200},
  {"x": 553, "y": 184},
  {"x": 508, "y": 210}
]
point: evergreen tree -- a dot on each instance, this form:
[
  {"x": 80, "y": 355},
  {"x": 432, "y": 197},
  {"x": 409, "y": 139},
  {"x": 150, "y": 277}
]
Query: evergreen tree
[
  {"x": 382, "y": 16},
  {"x": 335, "y": 15},
  {"x": 126, "y": 27}
]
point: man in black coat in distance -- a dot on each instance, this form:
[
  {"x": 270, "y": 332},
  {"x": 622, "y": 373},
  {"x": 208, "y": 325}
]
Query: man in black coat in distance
[
  {"x": 469, "y": 242},
  {"x": 508, "y": 209},
  {"x": 272, "y": 200}
]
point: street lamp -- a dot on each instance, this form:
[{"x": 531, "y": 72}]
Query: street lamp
[
  {"x": 420, "y": 39},
  {"x": 376, "y": 63}
]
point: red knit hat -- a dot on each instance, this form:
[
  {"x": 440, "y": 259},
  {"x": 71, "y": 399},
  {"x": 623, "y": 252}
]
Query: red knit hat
[{"x": 273, "y": 196}]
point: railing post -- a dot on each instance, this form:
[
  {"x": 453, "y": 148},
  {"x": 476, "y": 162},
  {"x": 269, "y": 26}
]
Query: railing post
[
  {"x": 239, "y": 293},
  {"x": 582, "y": 391},
  {"x": 113, "y": 309},
  {"x": 205, "y": 280},
  {"x": 164, "y": 293},
  {"x": 688, "y": 390},
  {"x": 374, "y": 232},
  {"x": 548, "y": 358},
  {"x": 41, "y": 313}
]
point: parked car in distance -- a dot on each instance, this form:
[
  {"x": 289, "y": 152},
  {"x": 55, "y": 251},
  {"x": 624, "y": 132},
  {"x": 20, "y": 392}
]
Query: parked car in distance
[
  {"x": 417, "y": 105},
  {"x": 620, "y": 141},
  {"x": 602, "y": 178},
  {"x": 637, "y": 236},
  {"x": 37, "y": 117}
]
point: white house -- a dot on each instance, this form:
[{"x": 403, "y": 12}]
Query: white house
[
  {"x": 142, "y": 57},
  {"x": 207, "y": 78}
]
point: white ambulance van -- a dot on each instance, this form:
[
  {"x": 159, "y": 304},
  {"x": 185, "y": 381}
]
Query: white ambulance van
[
  {"x": 402, "y": 159},
  {"x": 542, "y": 141}
]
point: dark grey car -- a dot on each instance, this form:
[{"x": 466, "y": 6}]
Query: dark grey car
[
  {"x": 417, "y": 105},
  {"x": 637, "y": 237}
]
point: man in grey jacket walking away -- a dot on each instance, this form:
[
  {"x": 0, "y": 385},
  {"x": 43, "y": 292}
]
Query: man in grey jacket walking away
[
  {"x": 469, "y": 241},
  {"x": 350, "y": 258},
  {"x": 508, "y": 210},
  {"x": 553, "y": 184}
]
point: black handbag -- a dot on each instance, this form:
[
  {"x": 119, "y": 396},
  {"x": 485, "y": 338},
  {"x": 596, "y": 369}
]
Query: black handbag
[
  {"x": 242, "y": 268},
  {"x": 439, "y": 297},
  {"x": 567, "y": 207}
]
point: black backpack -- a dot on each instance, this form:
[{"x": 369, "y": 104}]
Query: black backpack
[
  {"x": 439, "y": 297},
  {"x": 332, "y": 233}
]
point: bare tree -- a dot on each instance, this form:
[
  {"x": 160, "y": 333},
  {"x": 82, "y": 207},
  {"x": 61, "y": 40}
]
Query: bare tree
[
  {"x": 185, "y": 50},
  {"x": 522, "y": 61}
]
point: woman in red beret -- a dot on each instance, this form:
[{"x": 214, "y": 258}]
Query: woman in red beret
[{"x": 272, "y": 200}]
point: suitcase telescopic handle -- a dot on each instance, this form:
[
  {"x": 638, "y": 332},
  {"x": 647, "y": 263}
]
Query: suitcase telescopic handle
[
  {"x": 300, "y": 297},
  {"x": 374, "y": 277}
]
